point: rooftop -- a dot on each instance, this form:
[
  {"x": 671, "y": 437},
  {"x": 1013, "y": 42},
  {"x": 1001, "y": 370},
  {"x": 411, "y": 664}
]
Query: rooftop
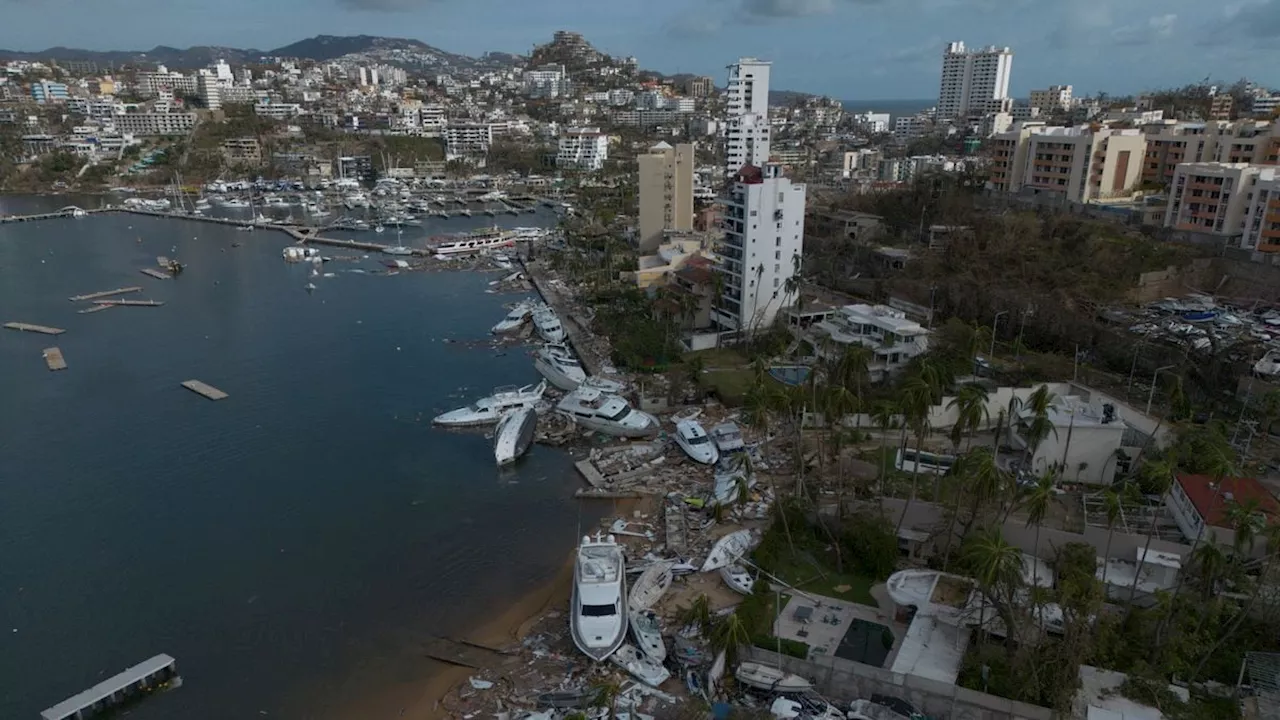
[{"x": 1212, "y": 502}]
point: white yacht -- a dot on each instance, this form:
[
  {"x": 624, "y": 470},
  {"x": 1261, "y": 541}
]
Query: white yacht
[
  {"x": 738, "y": 578},
  {"x": 695, "y": 442},
  {"x": 548, "y": 325},
  {"x": 475, "y": 241},
  {"x": 514, "y": 435},
  {"x": 597, "y": 619},
  {"x": 557, "y": 364},
  {"x": 763, "y": 677},
  {"x": 607, "y": 413},
  {"x": 648, "y": 634},
  {"x": 641, "y": 667},
  {"x": 515, "y": 319},
  {"x": 489, "y": 410}
]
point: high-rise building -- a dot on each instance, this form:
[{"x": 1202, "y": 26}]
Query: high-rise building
[
  {"x": 764, "y": 237},
  {"x": 971, "y": 78},
  {"x": 1083, "y": 164},
  {"x": 582, "y": 149},
  {"x": 747, "y": 110},
  {"x": 1214, "y": 198},
  {"x": 1056, "y": 97},
  {"x": 666, "y": 193},
  {"x": 699, "y": 87},
  {"x": 1261, "y": 229}
]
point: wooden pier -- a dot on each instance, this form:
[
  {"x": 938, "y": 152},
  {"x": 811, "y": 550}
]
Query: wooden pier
[
  {"x": 28, "y": 327},
  {"x": 208, "y": 391},
  {"x": 105, "y": 293},
  {"x": 141, "y": 679},
  {"x": 130, "y": 303},
  {"x": 156, "y": 273},
  {"x": 53, "y": 358}
]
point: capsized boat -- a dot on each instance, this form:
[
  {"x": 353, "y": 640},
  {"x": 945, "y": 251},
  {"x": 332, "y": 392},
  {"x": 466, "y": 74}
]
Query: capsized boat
[
  {"x": 488, "y": 410},
  {"x": 641, "y": 668},
  {"x": 695, "y": 442},
  {"x": 651, "y": 585},
  {"x": 738, "y": 578},
  {"x": 515, "y": 319},
  {"x": 557, "y": 364},
  {"x": 728, "y": 549},
  {"x": 514, "y": 435},
  {"x": 648, "y": 635},
  {"x": 607, "y": 413},
  {"x": 765, "y": 677},
  {"x": 597, "y": 619},
  {"x": 548, "y": 325}
]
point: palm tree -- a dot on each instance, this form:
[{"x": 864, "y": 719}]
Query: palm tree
[
  {"x": 1161, "y": 473},
  {"x": 970, "y": 404},
  {"x": 1038, "y": 430},
  {"x": 882, "y": 414},
  {"x": 916, "y": 400},
  {"x": 604, "y": 694},
  {"x": 1114, "y": 508},
  {"x": 1037, "y": 503},
  {"x": 696, "y": 613},
  {"x": 1263, "y": 584},
  {"x": 729, "y": 636},
  {"x": 997, "y": 566},
  {"x": 791, "y": 287}
]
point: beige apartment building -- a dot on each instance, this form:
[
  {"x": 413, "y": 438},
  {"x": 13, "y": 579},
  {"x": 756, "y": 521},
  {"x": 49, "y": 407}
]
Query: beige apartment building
[
  {"x": 1084, "y": 164},
  {"x": 1248, "y": 141},
  {"x": 1261, "y": 224},
  {"x": 666, "y": 193},
  {"x": 1211, "y": 198}
]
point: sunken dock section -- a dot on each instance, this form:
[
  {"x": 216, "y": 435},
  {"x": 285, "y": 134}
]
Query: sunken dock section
[
  {"x": 588, "y": 470},
  {"x": 208, "y": 391},
  {"x": 156, "y": 274},
  {"x": 28, "y": 327},
  {"x": 105, "y": 293},
  {"x": 464, "y": 653},
  {"x": 139, "y": 680},
  {"x": 94, "y": 309},
  {"x": 53, "y": 358}
]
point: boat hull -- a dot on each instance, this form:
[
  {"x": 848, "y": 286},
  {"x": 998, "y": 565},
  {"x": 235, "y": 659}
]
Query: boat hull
[
  {"x": 555, "y": 375},
  {"x": 705, "y": 453},
  {"x": 514, "y": 436},
  {"x": 597, "y": 648},
  {"x": 615, "y": 430}
]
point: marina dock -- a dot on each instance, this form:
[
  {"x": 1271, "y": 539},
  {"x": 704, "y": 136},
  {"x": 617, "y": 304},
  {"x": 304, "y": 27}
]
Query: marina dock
[
  {"x": 143, "y": 678},
  {"x": 28, "y": 327},
  {"x": 574, "y": 335},
  {"x": 53, "y": 358},
  {"x": 94, "y": 309},
  {"x": 208, "y": 391},
  {"x": 155, "y": 273},
  {"x": 130, "y": 303},
  {"x": 105, "y": 293}
]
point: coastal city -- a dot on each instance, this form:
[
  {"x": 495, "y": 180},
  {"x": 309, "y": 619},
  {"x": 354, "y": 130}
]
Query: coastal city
[{"x": 957, "y": 409}]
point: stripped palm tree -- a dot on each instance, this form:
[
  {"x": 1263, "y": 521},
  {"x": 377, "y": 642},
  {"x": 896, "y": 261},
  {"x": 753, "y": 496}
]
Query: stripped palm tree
[{"x": 970, "y": 404}]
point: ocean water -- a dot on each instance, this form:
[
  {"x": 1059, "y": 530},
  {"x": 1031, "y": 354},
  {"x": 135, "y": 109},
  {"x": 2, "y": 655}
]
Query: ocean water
[
  {"x": 895, "y": 108},
  {"x": 290, "y": 545}
]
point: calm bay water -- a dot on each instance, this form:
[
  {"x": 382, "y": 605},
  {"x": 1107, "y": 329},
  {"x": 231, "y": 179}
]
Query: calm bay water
[{"x": 288, "y": 545}]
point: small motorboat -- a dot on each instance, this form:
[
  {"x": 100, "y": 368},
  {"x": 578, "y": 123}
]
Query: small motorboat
[
  {"x": 695, "y": 442},
  {"x": 648, "y": 635},
  {"x": 651, "y": 586},
  {"x": 728, "y": 438},
  {"x": 514, "y": 435},
  {"x": 641, "y": 668},
  {"x": 489, "y": 410},
  {"x": 515, "y": 319},
  {"x": 738, "y": 578},
  {"x": 557, "y": 364},
  {"x": 728, "y": 549},
  {"x": 771, "y": 679},
  {"x": 309, "y": 287},
  {"x": 597, "y": 620}
]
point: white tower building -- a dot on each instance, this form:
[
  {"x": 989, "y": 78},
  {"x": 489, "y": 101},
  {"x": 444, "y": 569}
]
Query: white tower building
[
  {"x": 764, "y": 237},
  {"x": 747, "y": 111},
  {"x": 971, "y": 79}
]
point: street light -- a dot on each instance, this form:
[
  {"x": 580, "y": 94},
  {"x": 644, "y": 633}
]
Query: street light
[
  {"x": 991, "y": 354},
  {"x": 1152, "y": 393}
]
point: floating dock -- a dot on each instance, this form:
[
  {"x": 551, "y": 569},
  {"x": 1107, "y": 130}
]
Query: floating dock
[
  {"x": 130, "y": 303},
  {"x": 28, "y": 327},
  {"x": 53, "y": 358},
  {"x": 105, "y": 293},
  {"x": 155, "y": 273},
  {"x": 140, "y": 679},
  {"x": 94, "y": 309},
  {"x": 208, "y": 391}
]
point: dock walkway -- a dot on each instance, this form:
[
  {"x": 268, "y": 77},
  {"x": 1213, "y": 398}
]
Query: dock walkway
[
  {"x": 105, "y": 293},
  {"x": 575, "y": 335},
  {"x": 28, "y": 327},
  {"x": 53, "y": 358},
  {"x": 208, "y": 391},
  {"x": 141, "y": 678}
]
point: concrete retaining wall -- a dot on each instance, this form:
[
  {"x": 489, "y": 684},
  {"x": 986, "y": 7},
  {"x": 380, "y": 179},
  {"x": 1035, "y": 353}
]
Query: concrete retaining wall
[{"x": 842, "y": 681}]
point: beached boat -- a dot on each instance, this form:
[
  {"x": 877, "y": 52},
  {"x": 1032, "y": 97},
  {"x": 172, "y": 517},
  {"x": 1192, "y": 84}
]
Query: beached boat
[
  {"x": 728, "y": 438},
  {"x": 695, "y": 442},
  {"x": 641, "y": 668},
  {"x": 730, "y": 478},
  {"x": 607, "y": 413},
  {"x": 771, "y": 679},
  {"x": 557, "y": 364},
  {"x": 548, "y": 325},
  {"x": 738, "y": 578},
  {"x": 597, "y": 620},
  {"x": 488, "y": 410},
  {"x": 651, "y": 586},
  {"x": 516, "y": 318},
  {"x": 728, "y": 549},
  {"x": 484, "y": 239},
  {"x": 514, "y": 435},
  {"x": 648, "y": 635}
]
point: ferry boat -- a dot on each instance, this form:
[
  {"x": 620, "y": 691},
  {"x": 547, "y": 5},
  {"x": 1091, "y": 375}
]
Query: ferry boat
[{"x": 476, "y": 241}]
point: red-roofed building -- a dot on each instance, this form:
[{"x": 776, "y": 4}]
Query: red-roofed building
[{"x": 1198, "y": 500}]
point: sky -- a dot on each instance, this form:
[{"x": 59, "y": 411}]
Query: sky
[{"x": 849, "y": 49}]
